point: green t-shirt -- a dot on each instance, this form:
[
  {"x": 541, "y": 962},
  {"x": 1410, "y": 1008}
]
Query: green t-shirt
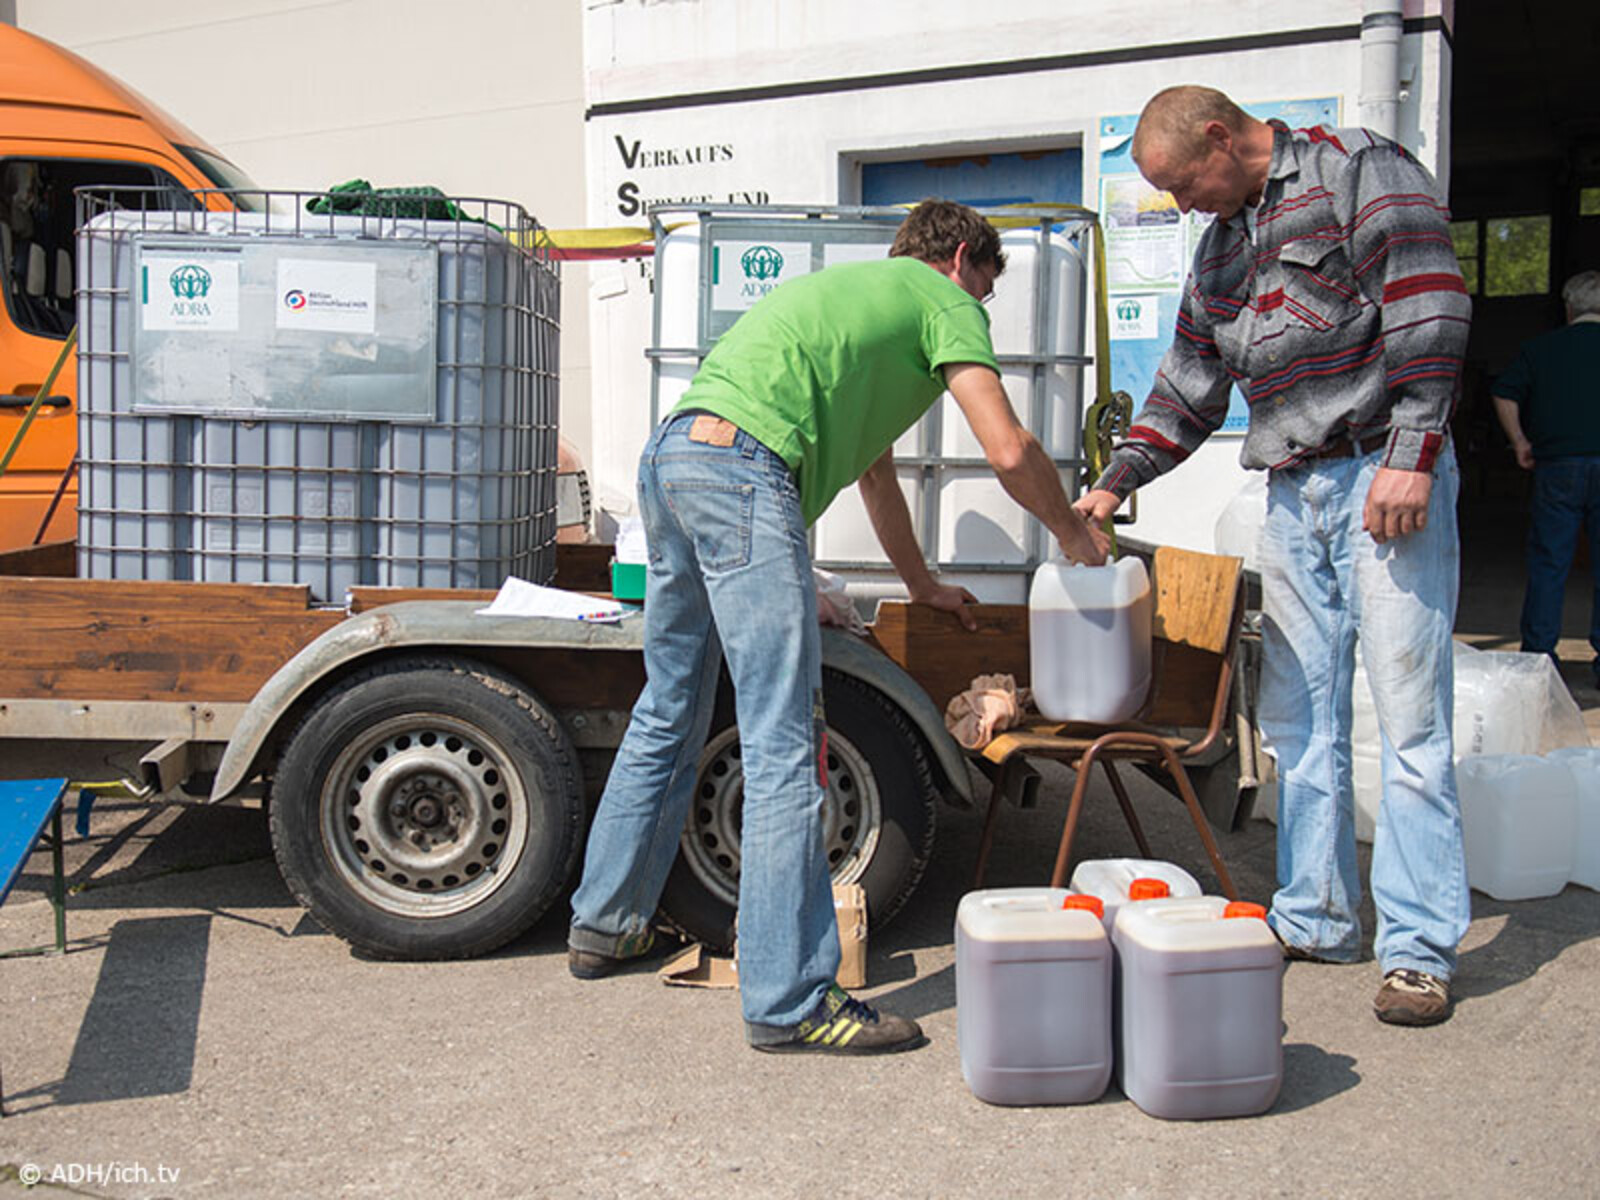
[{"x": 832, "y": 367}]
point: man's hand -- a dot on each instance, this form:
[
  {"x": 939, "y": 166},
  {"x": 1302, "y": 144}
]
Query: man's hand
[
  {"x": 1397, "y": 503},
  {"x": 1096, "y": 507},
  {"x": 1089, "y": 547},
  {"x": 1524, "y": 453},
  {"x": 951, "y": 599}
]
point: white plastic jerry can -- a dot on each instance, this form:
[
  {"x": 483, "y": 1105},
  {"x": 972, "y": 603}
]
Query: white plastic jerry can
[
  {"x": 1584, "y": 763},
  {"x": 1117, "y": 880},
  {"x": 1201, "y": 1008},
  {"x": 1089, "y": 640},
  {"x": 1519, "y": 820},
  {"x": 1033, "y": 996}
]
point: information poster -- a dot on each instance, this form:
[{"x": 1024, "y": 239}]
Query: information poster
[{"x": 1149, "y": 244}]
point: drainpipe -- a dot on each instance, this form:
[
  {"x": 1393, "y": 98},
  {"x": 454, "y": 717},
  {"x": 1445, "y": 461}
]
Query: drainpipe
[{"x": 1382, "y": 27}]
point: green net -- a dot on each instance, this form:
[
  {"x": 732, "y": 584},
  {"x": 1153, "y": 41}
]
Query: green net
[{"x": 360, "y": 198}]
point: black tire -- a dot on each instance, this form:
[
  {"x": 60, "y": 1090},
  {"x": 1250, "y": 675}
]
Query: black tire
[
  {"x": 427, "y": 809},
  {"x": 879, "y": 822}
]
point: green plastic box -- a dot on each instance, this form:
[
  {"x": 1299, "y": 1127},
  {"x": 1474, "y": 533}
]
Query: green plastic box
[{"x": 627, "y": 580}]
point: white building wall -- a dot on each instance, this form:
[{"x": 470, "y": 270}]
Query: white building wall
[
  {"x": 658, "y": 130},
  {"x": 478, "y": 98}
]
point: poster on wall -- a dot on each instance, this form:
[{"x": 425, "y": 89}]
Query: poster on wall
[{"x": 1149, "y": 244}]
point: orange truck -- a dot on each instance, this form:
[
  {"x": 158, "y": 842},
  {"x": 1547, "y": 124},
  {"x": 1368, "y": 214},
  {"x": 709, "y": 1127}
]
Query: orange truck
[{"x": 65, "y": 124}]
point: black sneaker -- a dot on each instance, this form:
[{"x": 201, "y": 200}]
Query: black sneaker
[
  {"x": 842, "y": 1024},
  {"x": 1410, "y": 997},
  {"x": 591, "y": 964}
]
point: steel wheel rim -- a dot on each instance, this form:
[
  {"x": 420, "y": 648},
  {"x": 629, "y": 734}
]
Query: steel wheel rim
[
  {"x": 852, "y": 817},
  {"x": 423, "y": 816}
]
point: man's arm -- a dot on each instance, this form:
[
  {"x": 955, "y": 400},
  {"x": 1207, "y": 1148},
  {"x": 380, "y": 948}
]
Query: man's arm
[
  {"x": 891, "y": 521},
  {"x": 1024, "y": 470},
  {"x": 1404, "y": 261},
  {"x": 1510, "y": 414}
]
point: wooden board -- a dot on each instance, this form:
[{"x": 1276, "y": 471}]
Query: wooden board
[
  {"x": 943, "y": 656},
  {"x": 1195, "y": 596},
  {"x": 85, "y": 639}
]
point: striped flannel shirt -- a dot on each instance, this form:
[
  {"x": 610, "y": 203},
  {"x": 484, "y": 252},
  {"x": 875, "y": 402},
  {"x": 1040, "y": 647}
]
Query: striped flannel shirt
[{"x": 1343, "y": 319}]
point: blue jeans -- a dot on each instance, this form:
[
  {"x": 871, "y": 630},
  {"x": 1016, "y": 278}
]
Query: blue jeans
[
  {"x": 729, "y": 574},
  {"x": 1323, "y": 581},
  {"x": 1566, "y": 496}
]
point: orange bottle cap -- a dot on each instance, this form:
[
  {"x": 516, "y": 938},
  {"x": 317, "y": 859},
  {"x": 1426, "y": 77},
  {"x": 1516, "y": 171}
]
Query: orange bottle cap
[
  {"x": 1244, "y": 908},
  {"x": 1148, "y": 889},
  {"x": 1088, "y": 903}
]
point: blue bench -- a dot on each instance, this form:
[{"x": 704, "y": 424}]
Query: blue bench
[{"x": 26, "y": 807}]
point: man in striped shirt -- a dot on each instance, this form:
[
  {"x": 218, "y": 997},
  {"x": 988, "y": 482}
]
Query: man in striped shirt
[{"x": 1327, "y": 291}]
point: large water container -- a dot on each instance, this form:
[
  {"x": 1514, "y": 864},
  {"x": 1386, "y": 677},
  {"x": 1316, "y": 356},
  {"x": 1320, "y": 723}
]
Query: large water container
[
  {"x": 405, "y": 436},
  {"x": 1519, "y": 818},
  {"x": 1089, "y": 640},
  {"x": 1115, "y": 881},
  {"x": 1201, "y": 1008},
  {"x": 1584, "y": 763},
  {"x": 1033, "y": 996},
  {"x": 966, "y": 523}
]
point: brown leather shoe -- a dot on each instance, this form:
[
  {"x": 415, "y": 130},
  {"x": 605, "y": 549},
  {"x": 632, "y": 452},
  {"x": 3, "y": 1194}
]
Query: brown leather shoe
[{"x": 1410, "y": 997}]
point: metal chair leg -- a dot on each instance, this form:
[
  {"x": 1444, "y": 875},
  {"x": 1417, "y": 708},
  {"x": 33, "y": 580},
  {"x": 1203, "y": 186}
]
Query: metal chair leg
[
  {"x": 1079, "y": 788},
  {"x": 1192, "y": 802},
  {"x": 1128, "y": 813},
  {"x": 986, "y": 843}
]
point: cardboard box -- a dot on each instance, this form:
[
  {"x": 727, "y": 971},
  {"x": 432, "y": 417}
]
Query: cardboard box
[{"x": 698, "y": 967}]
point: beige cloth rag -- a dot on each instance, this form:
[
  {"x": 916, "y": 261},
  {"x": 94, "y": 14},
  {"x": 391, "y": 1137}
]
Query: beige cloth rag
[{"x": 993, "y": 703}]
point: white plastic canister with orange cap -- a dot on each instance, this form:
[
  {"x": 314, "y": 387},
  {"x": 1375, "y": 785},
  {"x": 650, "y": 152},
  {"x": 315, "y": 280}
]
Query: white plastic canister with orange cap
[
  {"x": 1201, "y": 1008},
  {"x": 1033, "y": 996},
  {"x": 1117, "y": 880}
]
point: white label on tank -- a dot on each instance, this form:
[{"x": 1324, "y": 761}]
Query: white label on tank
[
  {"x": 321, "y": 294},
  {"x": 743, "y": 272},
  {"x": 193, "y": 291},
  {"x": 1134, "y": 316}
]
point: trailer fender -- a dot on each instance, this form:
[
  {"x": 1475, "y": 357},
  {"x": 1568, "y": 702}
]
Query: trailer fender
[
  {"x": 849, "y": 654},
  {"x": 451, "y": 625},
  {"x": 455, "y": 625}
]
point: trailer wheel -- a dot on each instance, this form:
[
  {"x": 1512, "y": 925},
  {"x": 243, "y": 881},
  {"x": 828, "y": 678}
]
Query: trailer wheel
[
  {"x": 878, "y": 824},
  {"x": 427, "y": 809}
]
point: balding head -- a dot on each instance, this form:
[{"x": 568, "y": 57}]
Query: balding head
[{"x": 1177, "y": 118}]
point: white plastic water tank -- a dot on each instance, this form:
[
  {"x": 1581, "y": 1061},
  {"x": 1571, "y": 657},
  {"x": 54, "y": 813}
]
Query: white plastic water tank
[
  {"x": 1519, "y": 818},
  {"x": 1089, "y": 640},
  {"x": 1584, "y": 763}
]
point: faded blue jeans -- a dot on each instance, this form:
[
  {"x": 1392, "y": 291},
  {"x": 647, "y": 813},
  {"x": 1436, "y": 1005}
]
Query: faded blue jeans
[
  {"x": 1566, "y": 497},
  {"x": 1324, "y": 580},
  {"x": 729, "y": 574}
]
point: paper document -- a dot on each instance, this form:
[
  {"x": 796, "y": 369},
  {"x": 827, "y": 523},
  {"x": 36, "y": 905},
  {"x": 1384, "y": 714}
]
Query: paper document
[{"x": 519, "y": 598}]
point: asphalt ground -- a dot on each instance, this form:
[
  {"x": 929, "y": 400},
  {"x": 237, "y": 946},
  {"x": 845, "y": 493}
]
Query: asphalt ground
[{"x": 205, "y": 1038}]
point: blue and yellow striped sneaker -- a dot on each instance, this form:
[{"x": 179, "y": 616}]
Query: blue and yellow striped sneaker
[{"x": 842, "y": 1024}]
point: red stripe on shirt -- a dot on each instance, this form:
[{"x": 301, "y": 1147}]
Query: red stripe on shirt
[{"x": 1417, "y": 285}]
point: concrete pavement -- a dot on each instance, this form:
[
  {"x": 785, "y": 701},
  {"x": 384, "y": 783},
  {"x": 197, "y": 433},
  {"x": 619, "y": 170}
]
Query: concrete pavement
[{"x": 205, "y": 1038}]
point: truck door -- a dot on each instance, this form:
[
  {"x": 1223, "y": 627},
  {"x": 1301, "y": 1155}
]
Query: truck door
[{"x": 37, "y": 222}]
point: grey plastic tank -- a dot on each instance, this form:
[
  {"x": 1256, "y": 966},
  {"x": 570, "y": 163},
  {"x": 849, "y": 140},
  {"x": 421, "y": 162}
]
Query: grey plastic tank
[
  {"x": 1033, "y": 996},
  {"x": 1201, "y": 1008}
]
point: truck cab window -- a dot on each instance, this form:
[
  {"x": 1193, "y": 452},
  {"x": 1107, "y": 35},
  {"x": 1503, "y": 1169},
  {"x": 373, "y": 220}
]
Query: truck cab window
[{"x": 37, "y": 224}]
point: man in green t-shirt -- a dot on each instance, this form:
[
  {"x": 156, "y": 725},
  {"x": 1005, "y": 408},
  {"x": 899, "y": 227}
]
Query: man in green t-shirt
[{"x": 803, "y": 396}]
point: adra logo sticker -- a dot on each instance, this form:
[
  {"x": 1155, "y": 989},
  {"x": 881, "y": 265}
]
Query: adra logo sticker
[
  {"x": 191, "y": 282},
  {"x": 761, "y": 263}
]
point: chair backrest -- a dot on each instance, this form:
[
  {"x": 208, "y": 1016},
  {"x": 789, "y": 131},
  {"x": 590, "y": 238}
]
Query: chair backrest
[{"x": 1198, "y": 607}]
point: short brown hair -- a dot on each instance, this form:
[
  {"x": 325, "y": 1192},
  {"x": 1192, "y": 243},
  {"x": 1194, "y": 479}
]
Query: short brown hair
[
  {"x": 1177, "y": 117},
  {"x": 936, "y": 227}
]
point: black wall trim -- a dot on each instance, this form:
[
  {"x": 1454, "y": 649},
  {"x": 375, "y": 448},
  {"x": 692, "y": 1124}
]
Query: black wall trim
[{"x": 1016, "y": 66}]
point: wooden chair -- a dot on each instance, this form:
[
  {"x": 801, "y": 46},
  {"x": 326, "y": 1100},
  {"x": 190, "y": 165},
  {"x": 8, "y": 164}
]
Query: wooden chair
[{"x": 1198, "y": 606}]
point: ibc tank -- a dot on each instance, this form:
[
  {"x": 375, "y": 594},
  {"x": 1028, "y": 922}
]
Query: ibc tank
[{"x": 253, "y": 452}]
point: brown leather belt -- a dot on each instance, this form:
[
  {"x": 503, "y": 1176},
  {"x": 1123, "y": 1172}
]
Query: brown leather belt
[{"x": 1350, "y": 449}]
